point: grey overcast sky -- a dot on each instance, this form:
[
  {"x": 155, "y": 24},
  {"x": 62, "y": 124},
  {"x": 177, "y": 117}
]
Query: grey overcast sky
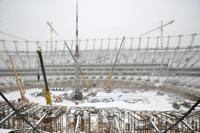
[{"x": 97, "y": 18}]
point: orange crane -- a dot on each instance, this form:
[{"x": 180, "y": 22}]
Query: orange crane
[{"x": 23, "y": 100}]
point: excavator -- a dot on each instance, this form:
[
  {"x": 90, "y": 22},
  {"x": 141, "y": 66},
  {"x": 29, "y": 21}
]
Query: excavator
[
  {"x": 46, "y": 91},
  {"x": 23, "y": 100},
  {"x": 109, "y": 78}
]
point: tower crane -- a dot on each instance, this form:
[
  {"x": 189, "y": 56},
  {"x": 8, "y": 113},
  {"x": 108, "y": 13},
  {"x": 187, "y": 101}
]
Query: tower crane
[
  {"x": 23, "y": 100},
  {"x": 52, "y": 30},
  {"x": 47, "y": 93}
]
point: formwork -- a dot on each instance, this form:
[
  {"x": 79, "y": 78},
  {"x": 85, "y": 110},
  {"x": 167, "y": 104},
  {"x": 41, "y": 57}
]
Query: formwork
[
  {"x": 113, "y": 120},
  {"x": 81, "y": 119},
  {"x": 44, "y": 118},
  {"x": 54, "y": 119},
  {"x": 9, "y": 118},
  {"x": 53, "y": 122}
]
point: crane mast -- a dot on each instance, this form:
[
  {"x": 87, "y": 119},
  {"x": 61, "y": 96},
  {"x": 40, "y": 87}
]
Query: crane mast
[
  {"x": 78, "y": 93},
  {"x": 23, "y": 100}
]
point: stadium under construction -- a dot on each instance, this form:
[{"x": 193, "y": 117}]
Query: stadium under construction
[
  {"x": 144, "y": 66},
  {"x": 145, "y": 84}
]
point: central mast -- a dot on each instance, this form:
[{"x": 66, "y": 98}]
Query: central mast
[{"x": 78, "y": 94}]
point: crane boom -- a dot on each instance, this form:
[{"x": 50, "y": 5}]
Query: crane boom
[
  {"x": 87, "y": 83},
  {"x": 73, "y": 57},
  {"x": 159, "y": 27},
  {"x": 109, "y": 80},
  {"x": 19, "y": 83},
  {"x": 117, "y": 55},
  {"x": 47, "y": 91},
  {"x": 51, "y": 28}
]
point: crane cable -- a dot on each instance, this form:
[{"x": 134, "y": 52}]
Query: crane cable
[{"x": 13, "y": 36}]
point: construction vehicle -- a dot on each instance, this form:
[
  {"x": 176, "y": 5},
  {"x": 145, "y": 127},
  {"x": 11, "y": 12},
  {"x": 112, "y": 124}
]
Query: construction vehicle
[
  {"x": 23, "y": 100},
  {"x": 109, "y": 78},
  {"x": 46, "y": 92}
]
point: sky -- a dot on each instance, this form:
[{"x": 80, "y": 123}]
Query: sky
[{"x": 97, "y": 18}]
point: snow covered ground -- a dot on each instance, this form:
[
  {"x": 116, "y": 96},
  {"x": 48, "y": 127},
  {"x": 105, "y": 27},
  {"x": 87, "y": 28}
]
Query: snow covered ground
[
  {"x": 138, "y": 100},
  {"x": 132, "y": 100},
  {"x": 5, "y": 130}
]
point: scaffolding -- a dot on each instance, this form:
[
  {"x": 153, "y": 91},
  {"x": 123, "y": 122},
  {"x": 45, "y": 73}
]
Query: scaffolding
[
  {"x": 114, "y": 120},
  {"x": 54, "y": 119},
  {"x": 43, "y": 118}
]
